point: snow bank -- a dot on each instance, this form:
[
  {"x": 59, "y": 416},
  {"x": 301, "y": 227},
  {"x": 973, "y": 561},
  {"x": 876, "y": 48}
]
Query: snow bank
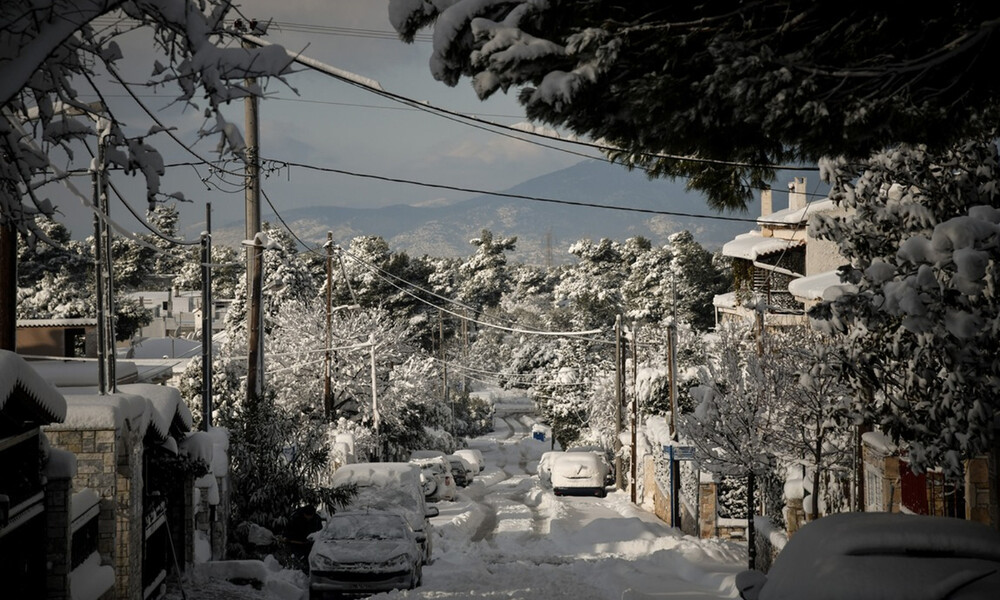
[{"x": 61, "y": 464}]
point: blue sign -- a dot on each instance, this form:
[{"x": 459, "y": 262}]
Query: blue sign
[
  {"x": 680, "y": 452},
  {"x": 538, "y": 435}
]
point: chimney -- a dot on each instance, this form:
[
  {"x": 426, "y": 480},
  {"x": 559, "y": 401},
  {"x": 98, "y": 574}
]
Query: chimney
[
  {"x": 797, "y": 193},
  {"x": 766, "y": 207}
]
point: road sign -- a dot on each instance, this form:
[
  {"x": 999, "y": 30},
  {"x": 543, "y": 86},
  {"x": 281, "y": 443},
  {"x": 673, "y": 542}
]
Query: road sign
[{"x": 680, "y": 452}]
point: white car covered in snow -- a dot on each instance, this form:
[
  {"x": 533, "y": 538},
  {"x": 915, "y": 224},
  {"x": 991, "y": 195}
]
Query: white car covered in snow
[
  {"x": 579, "y": 474},
  {"x": 393, "y": 487},
  {"x": 473, "y": 456}
]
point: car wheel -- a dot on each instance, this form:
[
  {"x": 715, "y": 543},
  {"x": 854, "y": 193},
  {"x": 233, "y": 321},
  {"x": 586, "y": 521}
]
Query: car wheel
[{"x": 603, "y": 493}]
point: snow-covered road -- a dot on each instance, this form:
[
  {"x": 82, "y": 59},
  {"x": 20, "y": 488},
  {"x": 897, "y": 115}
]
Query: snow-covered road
[{"x": 507, "y": 536}]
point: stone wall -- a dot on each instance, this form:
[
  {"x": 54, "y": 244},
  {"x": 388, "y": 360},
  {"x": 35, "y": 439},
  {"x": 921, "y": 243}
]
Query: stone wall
[
  {"x": 58, "y": 505},
  {"x": 96, "y": 460},
  {"x": 110, "y": 463}
]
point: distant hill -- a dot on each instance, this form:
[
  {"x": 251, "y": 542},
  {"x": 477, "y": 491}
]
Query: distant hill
[{"x": 544, "y": 230}]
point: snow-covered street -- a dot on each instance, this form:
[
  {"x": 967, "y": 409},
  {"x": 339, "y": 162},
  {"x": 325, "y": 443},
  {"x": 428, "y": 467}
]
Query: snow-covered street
[{"x": 507, "y": 536}]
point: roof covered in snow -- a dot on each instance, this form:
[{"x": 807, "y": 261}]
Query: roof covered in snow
[
  {"x": 752, "y": 245},
  {"x": 797, "y": 216},
  {"x": 812, "y": 287},
  {"x": 79, "y": 372},
  {"x": 169, "y": 411},
  {"x": 87, "y": 409},
  {"x": 26, "y": 396},
  {"x": 57, "y": 322}
]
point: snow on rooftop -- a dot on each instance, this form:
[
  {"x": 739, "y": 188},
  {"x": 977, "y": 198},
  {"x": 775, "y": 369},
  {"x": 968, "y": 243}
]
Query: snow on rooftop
[
  {"x": 727, "y": 300},
  {"x": 752, "y": 245},
  {"x": 79, "y": 373},
  {"x": 167, "y": 406},
  {"x": 18, "y": 374},
  {"x": 87, "y": 409},
  {"x": 796, "y": 216},
  {"x": 57, "y": 322},
  {"x": 813, "y": 287},
  {"x": 163, "y": 347},
  {"x": 879, "y": 442}
]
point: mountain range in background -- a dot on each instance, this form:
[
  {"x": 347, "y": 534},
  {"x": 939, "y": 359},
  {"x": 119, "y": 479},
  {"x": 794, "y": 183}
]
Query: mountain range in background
[{"x": 544, "y": 230}]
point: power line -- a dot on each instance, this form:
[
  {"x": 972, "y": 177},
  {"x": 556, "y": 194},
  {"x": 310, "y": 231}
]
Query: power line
[{"x": 454, "y": 188}]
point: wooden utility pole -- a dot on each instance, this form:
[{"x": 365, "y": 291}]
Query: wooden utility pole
[
  {"x": 327, "y": 363},
  {"x": 255, "y": 351},
  {"x": 206, "y": 321},
  {"x": 675, "y": 466},
  {"x": 619, "y": 398},
  {"x": 635, "y": 413}
]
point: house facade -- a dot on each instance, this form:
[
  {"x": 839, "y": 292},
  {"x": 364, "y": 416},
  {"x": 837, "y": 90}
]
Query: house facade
[{"x": 769, "y": 260}]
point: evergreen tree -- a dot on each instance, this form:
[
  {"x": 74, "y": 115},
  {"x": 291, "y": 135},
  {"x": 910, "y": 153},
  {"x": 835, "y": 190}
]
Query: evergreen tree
[
  {"x": 916, "y": 316},
  {"x": 741, "y": 86}
]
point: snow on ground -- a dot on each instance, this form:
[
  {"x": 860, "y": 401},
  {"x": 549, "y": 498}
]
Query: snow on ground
[{"x": 507, "y": 536}]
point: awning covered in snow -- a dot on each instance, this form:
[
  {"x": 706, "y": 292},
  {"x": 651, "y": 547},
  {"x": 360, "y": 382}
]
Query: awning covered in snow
[{"x": 751, "y": 246}]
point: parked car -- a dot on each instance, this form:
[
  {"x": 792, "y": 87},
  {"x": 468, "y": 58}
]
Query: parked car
[
  {"x": 426, "y": 454},
  {"x": 458, "y": 471},
  {"x": 603, "y": 455},
  {"x": 459, "y": 463},
  {"x": 436, "y": 478},
  {"x": 864, "y": 556},
  {"x": 579, "y": 473},
  {"x": 393, "y": 487},
  {"x": 364, "y": 552},
  {"x": 544, "y": 469},
  {"x": 473, "y": 456}
]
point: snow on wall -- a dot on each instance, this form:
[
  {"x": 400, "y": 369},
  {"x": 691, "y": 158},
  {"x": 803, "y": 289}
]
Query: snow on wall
[
  {"x": 61, "y": 464},
  {"x": 91, "y": 580},
  {"x": 15, "y": 373}
]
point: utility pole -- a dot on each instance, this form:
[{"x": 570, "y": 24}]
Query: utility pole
[
  {"x": 8, "y": 295},
  {"x": 635, "y": 413},
  {"x": 619, "y": 398},
  {"x": 376, "y": 418},
  {"x": 103, "y": 263},
  {"x": 675, "y": 466},
  {"x": 444, "y": 369},
  {"x": 255, "y": 353},
  {"x": 206, "y": 321},
  {"x": 327, "y": 366}
]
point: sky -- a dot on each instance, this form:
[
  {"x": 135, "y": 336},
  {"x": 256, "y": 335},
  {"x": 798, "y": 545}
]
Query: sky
[{"x": 312, "y": 119}]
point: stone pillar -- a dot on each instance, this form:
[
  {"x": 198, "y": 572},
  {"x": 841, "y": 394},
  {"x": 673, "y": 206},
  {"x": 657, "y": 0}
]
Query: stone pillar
[
  {"x": 707, "y": 509},
  {"x": 58, "y": 507},
  {"x": 129, "y": 522}
]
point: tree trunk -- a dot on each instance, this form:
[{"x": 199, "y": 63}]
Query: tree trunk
[
  {"x": 751, "y": 539},
  {"x": 814, "y": 514}
]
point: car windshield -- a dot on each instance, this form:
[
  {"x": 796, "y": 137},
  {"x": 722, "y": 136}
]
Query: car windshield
[{"x": 364, "y": 527}]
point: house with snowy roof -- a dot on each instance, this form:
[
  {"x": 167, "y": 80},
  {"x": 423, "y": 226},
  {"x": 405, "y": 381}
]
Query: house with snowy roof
[
  {"x": 770, "y": 261},
  {"x": 95, "y": 487}
]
